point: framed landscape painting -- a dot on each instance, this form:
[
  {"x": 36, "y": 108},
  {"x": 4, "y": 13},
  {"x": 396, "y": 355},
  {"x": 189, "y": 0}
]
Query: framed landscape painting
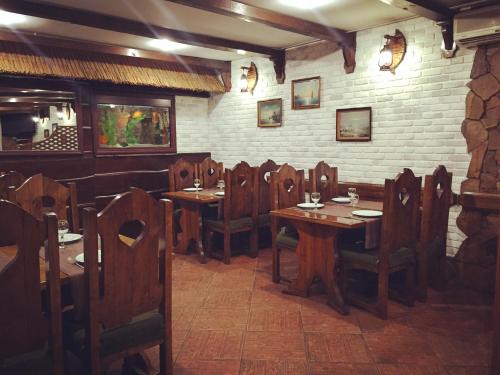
[
  {"x": 354, "y": 124},
  {"x": 269, "y": 113},
  {"x": 306, "y": 93}
]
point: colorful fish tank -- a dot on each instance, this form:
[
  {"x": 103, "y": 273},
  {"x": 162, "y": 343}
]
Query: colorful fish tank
[{"x": 126, "y": 126}]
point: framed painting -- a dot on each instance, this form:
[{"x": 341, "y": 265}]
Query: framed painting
[
  {"x": 354, "y": 124},
  {"x": 306, "y": 93},
  {"x": 269, "y": 113}
]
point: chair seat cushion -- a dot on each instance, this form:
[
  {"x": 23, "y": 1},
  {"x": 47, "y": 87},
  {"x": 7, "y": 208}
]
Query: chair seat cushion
[
  {"x": 140, "y": 330},
  {"x": 264, "y": 220},
  {"x": 287, "y": 238},
  {"x": 357, "y": 253},
  {"x": 38, "y": 362},
  {"x": 241, "y": 223}
]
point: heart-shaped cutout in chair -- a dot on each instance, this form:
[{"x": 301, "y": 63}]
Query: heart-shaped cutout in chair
[
  {"x": 404, "y": 196},
  {"x": 131, "y": 232}
]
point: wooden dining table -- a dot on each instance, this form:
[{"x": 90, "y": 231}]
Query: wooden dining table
[
  {"x": 191, "y": 221},
  {"x": 318, "y": 231}
]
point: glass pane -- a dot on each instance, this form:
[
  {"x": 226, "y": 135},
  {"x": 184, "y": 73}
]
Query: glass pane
[
  {"x": 37, "y": 120},
  {"x": 123, "y": 126}
]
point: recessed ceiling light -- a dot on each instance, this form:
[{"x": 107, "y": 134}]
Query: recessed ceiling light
[
  {"x": 166, "y": 45},
  {"x": 24, "y": 91},
  {"x": 247, "y": 19},
  {"x": 306, "y": 4},
  {"x": 12, "y": 100},
  {"x": 8, "y": 18},
  {"x": 241, "y": 52},
  {"x": 133, "y": 52}
]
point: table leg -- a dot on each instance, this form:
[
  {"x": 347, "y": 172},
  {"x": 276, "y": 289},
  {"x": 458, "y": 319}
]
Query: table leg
[
  {"x": 192, "y": 227},
  {"x": 316, "y": 251}
]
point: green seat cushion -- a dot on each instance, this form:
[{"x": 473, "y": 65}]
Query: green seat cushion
[
  {"x": 357, "y": 253},
  {"x": 33, "y": 363},
  {"x": 263, "y": 220},
  {"x": 287, "y": 238},
  {"x": 236, "y": 224},
  {"x": 140, "y": 330}
]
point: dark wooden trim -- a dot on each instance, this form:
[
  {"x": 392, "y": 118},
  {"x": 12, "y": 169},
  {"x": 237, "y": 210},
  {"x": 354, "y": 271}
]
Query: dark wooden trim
[
  {"x": 482, "y": 201},
  {"x": 128, "y": 26},
  {"x": 495, "y": 360},
  {"x": 425, "y": 8},
  {"x": 271, "y": 18},
  {"x": 40, "y": 41},
  {"x": 279, "y": 63}
]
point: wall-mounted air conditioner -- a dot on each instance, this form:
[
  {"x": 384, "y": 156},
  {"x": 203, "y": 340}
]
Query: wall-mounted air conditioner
[{"x": 477, "y": 27}]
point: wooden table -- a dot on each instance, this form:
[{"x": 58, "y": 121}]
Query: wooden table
[
  {"x": 191, "y": 222},
  {"x": 317, "y": 247}
]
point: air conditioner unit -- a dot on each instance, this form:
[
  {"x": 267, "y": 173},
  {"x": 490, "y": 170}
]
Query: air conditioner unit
[{"x": 478, "y": 26}]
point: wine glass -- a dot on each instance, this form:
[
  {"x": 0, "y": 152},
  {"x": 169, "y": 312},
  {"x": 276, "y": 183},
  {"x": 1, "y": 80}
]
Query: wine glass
[
  {"x": 62, "y": 229},
  {"x": 197, "y": 183},
  {"x": 354, "y": 198},
  {"x": 315, "y": 196},
  {"x": 351, "y": 191},
  {"x": 221, "y": 184}
]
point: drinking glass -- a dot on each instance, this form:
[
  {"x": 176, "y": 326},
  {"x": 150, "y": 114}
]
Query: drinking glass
[
  {"x": 354, "y": 199},
  {"x": 351, "y": 191},
  {"x": 315, "y": 196},
  {"x": 197, "y": 183},
  {"x": 221, "y": 184},
  {"x": 62, "y": 229}
]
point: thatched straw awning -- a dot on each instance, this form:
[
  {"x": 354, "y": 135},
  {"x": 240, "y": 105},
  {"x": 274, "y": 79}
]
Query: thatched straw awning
[{"x": 19, "y": 59}]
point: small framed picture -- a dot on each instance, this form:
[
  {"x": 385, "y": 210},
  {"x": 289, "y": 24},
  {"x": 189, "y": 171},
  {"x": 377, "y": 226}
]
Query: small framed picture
[
  {"x": 354, "y": 124},
  {"x": 269, "y": 113},
  {"x": 306, "y": 93},
  {"x": 46, "y": 133}
]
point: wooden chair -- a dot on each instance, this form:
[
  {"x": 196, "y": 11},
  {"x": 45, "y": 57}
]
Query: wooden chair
[
  {"x": 9, "y": 179},
  {"x": 433, "y": 231},
  {"x": 265, "y": 169},
  {"x": 210, "y": 172},
  {"x": 30, "y": 338},
  {"x": 495, "y": 361},
  {"x": 181, "y": 175},
  {"x": 130, "y": 294},
  {"x": 287, "y": 190},
  {"x": 239, "y": 209},
  {"x": 397, "y": 250},
  {"x": 32, "y": 194},
  {"x": 324, "y": 180}
]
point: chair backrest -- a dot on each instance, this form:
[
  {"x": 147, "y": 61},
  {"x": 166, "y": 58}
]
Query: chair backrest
[
  {"x": 181, "y": 175},
  {"x": 287, "y": 187},
  {"x": 265, "y": 170},
  {"x": 324, "y": 180},
  {"x": 241, "y": 192},
  {"x": 9, "y": 179},
  {"x": 210, "y": 172},
  {"x": 25, "y": 328},
  {"x": 436, "y": 206},
  {"x": 39, "y": 190},
  {"x": 400, "y": 222},
  {"x": 135, "y": 275}
]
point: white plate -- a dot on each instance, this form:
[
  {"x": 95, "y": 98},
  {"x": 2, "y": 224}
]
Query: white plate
[
  {"x": 72, "y": 237},
  {"x": 367, "y": 213},
  {"x": 220, "y": 193},
  {"x": 192, "y": 189},
  {"x": 310, "y": 205},
  {"x": 341, "y": 200},
  {"x": 80, "y": 257}
]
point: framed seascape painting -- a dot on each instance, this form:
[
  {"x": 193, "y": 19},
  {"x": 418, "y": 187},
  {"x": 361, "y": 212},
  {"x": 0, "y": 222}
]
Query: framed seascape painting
[
  {"x": 269, "y": 113},
  {"x": 354, "y": 124},
  {"x": 306, "y": 93}
]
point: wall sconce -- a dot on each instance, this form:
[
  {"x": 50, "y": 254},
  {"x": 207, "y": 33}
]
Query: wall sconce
[
  {"x": 248, "y": 79},
  {"x": 393, "y": 52}
]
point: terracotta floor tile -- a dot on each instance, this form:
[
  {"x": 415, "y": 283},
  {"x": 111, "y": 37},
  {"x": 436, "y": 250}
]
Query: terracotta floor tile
[
  {"x": 468, "y": 370},
  {"x": 334, "y": 347},
  {"x": 274, "y": 296},
  {"x": 275, "y": 319},
  {"x": 273, "y": 367},
  {"x": 387, "y": 369},
  {"x": 192, "y": 367},
  {"x": 274, "y": 345},
  {"x": 221, "y": 318},
  {"x": 370, "y": 323},
  {"x": 228, "y": 298},
  {"x": 183, "y": 316},
  {"x": 233, "y": 280},
  {"x": 322, "y": 318},
  {"x": 410, "y": 349},
  {"x": 211, "y": 345},
  {"x": 456, "y": 351},
  {"x": 341, "y": 369}
]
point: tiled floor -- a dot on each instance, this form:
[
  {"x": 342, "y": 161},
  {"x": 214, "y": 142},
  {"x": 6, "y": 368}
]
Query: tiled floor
[{"x": 230, "y": 320}]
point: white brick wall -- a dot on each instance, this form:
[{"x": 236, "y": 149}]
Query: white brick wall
[
  {"x": 417, "y": 112},
  {"x": 191, "y": 124}
]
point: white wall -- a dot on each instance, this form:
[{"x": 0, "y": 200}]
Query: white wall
[
  {"x": 417, "y": 113},
  {"x": 192, "y": 124}
]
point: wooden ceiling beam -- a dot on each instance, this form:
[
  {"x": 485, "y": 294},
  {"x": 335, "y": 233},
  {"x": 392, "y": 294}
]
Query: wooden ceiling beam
[
  {"x": 127, "y": 26},
  {"x": 425, "y": 8}
]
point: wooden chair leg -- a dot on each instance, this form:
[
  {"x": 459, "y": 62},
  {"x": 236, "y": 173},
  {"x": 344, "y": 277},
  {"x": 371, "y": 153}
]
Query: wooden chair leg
[
  {"x": 383, "y": 295},
  {"x": 410, "y": 286},
  {"x": 227, "y": 247},
  {"x": 166, "y": 365},
  {"x": 254, "y": 238},
  {"x": 208, "y": 235},
  {"x": 276, "y": 264},
  {"x": 422, "y": 277}
]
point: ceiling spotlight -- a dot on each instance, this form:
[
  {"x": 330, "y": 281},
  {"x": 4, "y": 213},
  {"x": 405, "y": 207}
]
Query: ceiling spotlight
[
  {"x": 12, "y": 100},
  {"x": 8, "y": 18},
  {"x": 166, "y": 45},
  {"x": 133, "y": 52},
  {"x": 241, "y": 52},
  {"x": 310, "y": 4}
]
